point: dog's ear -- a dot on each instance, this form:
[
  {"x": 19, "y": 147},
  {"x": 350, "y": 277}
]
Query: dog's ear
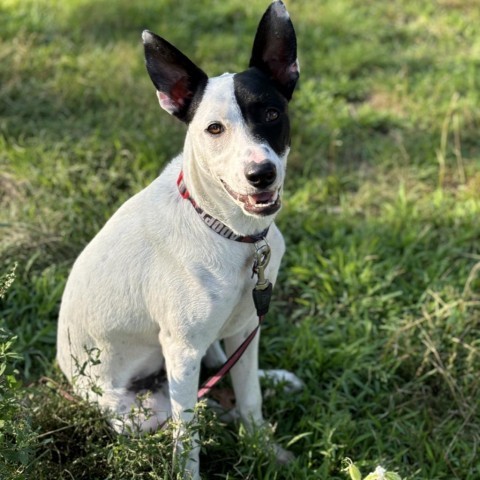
[
  {"x": 179, "y": 82},
  {"x": 275, "y": 49}
]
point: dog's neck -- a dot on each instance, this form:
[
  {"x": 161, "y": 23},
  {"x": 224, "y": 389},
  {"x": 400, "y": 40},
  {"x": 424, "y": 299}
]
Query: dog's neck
[{"x": 209, "y": 195}]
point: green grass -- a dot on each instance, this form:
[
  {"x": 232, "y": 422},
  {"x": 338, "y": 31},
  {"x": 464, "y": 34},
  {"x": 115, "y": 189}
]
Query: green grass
[{"x": 377, "y": 307}]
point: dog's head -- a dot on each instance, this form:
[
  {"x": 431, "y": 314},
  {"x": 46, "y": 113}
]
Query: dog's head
[{"x": 238, "y": 126}]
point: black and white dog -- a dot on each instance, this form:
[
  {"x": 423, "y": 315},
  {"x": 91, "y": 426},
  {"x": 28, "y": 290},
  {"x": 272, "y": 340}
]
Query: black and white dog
[{"x": 170, "y": 274}]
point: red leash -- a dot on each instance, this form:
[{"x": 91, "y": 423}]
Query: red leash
[{"x": 230, "y": 363}]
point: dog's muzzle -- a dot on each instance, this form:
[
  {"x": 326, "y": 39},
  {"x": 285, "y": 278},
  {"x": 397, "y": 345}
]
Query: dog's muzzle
[
  {"x": 261, "y": 174},
  {"x": 261, "y": 203}
]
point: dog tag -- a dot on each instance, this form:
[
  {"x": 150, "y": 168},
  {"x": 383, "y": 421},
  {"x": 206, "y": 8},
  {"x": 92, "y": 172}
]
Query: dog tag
[{"x": 261, "y": 298}]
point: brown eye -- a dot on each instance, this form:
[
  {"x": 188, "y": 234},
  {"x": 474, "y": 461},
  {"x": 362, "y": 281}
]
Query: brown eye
[
  {"x": 215, "y": 128},
  {"x": 271, "y": 114}
]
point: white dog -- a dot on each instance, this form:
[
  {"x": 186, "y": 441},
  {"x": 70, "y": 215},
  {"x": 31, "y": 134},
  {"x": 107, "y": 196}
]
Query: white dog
[{"x": 170, "y": 273}]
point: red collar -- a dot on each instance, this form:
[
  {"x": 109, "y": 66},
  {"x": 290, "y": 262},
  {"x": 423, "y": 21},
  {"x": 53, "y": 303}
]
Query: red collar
[{"x": 216, "y": 225}]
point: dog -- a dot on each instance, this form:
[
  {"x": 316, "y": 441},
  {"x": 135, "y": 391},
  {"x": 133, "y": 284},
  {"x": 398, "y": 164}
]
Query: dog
[{"x": 170, "y": 274}]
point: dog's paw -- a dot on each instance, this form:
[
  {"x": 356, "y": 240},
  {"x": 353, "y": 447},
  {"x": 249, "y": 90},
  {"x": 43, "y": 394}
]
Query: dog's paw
[
  {"x": 282, "y": 456},
  {"x": 290, "y": 381},
  {"x": 226, "y": 413}
]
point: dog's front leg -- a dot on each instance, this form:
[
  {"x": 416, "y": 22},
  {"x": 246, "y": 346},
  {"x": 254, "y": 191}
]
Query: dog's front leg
[
  {"x": 245, "y": 377},
  {"x": 246, "y": 384},
  {"x": 183, "y": 367}
]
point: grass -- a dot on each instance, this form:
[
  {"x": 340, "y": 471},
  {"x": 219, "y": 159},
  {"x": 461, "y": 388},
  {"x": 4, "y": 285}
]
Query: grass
[{"x": 377, "y": 307}]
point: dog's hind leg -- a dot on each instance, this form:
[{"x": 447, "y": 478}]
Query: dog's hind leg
[
  {"x": 289, "y": 381},
  {"x": 129, "y": 384},
  {"x": 133, "y": 413}
]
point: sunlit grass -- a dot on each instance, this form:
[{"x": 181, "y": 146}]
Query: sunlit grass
[{"x": 377, "y": 307}]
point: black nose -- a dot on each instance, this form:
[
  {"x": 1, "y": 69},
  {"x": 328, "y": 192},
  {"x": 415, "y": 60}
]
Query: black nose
[{"x": 261, "y": 175}]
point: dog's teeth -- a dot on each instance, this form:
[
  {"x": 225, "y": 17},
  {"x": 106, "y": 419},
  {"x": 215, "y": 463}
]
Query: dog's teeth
[{"x": 260, "y": 201}]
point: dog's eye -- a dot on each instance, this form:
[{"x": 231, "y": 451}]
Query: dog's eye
[
  {"x": 215, "y": 128},
  {"x": 271, "y": 114}
]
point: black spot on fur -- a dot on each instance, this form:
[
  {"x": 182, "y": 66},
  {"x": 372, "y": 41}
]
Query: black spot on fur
[
  {"x": 255, "y": 95},
  {"x": 151, "y": 383}
]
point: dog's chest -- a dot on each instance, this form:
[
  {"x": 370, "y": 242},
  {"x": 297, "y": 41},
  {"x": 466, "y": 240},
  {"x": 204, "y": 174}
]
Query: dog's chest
[
  {"x": 222, "y": 291},
  {"x": 226, "y": 281}
]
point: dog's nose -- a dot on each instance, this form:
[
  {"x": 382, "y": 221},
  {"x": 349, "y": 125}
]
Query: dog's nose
[{"x": 262, "y": 174}]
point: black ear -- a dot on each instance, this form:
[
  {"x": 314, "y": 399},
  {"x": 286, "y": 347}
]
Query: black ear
[
  {"x": 275, "y": 49},
  {"x": 179, "y": 82}
]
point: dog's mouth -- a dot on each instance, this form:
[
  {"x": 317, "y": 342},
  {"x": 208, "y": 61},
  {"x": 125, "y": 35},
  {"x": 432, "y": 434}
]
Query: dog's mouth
[{"x": 262, "y": 203}]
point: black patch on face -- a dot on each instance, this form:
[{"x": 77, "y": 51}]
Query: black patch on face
[{"x": 256, "y": 95}]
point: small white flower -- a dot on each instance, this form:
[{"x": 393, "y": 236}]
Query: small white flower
[
  {"x": 380, "y": 471},
  {"x": 378, "y": 474}
]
